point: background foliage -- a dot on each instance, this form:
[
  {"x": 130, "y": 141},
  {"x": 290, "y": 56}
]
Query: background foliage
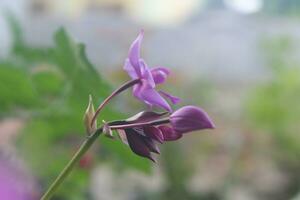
[{"x": 49, "y": 86}]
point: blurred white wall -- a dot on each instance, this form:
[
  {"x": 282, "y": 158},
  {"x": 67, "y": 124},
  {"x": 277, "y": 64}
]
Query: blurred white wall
[{"x": 222, "y": 43}]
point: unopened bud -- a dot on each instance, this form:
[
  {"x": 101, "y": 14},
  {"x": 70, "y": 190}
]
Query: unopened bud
[
  {"x": 107, "y": 130},
  {"x": 88, "y": 116},
  {"x": 190, "y": 118}
]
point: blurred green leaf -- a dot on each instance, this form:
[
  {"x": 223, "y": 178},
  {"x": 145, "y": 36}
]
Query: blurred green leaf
[
  {"x": 274, "y": 105},
  {"x": 48, "y": 83},
  {"x": 16, "y": 88}
]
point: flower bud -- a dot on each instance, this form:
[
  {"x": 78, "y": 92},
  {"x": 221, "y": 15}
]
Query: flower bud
[
  {"x": 190, "y": 118},
  {"x": 169, "y": 134},
  {"x": 88, "y": 116},
  {"x": 140, "y": 144}
]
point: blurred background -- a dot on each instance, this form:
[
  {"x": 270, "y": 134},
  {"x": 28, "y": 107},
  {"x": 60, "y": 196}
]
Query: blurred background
[{"x": 237, "y": 59}]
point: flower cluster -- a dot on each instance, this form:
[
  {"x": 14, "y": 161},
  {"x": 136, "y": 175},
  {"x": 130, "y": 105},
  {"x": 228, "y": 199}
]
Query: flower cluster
[{"x": 144, "y": 130}]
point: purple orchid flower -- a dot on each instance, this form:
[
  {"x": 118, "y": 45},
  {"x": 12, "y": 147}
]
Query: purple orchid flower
[
  {"x": 145, "y": 91},
  {"x": 142, "y": 131}
]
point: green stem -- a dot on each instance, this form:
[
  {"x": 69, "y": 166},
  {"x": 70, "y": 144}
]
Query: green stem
[{"x": 68, "y": 168}]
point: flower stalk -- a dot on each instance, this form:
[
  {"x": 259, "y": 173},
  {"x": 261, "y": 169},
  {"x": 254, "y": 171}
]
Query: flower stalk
[
  {"x": 141, "y": 124},
  {"x": 89, "y": 140},
  {"x": 69, "y": 167},
  {"x": 122, "y": 88},
  {"x": 83, "y": 149}
]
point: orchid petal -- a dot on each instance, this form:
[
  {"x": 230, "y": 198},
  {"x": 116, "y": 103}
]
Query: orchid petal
[
  {"x": 154, "y": 133},
  {"x": 169, "y": 133},
  {"x": 130, "y": 69},
  {"x": 146, "y": 93},
  {"x": 134, "y": 52},
  {"x": 137, "y": 90},
  {"x": 153, "y": 97},
  {"x": 150, "y": 96},
  {"x": 146, "y": 73},
  {"x": 151, "y": 145},
  {"x": 159, "y": 74},
  {"x": 137, "y": 144},
  {"x": 173, "y": 99}
]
